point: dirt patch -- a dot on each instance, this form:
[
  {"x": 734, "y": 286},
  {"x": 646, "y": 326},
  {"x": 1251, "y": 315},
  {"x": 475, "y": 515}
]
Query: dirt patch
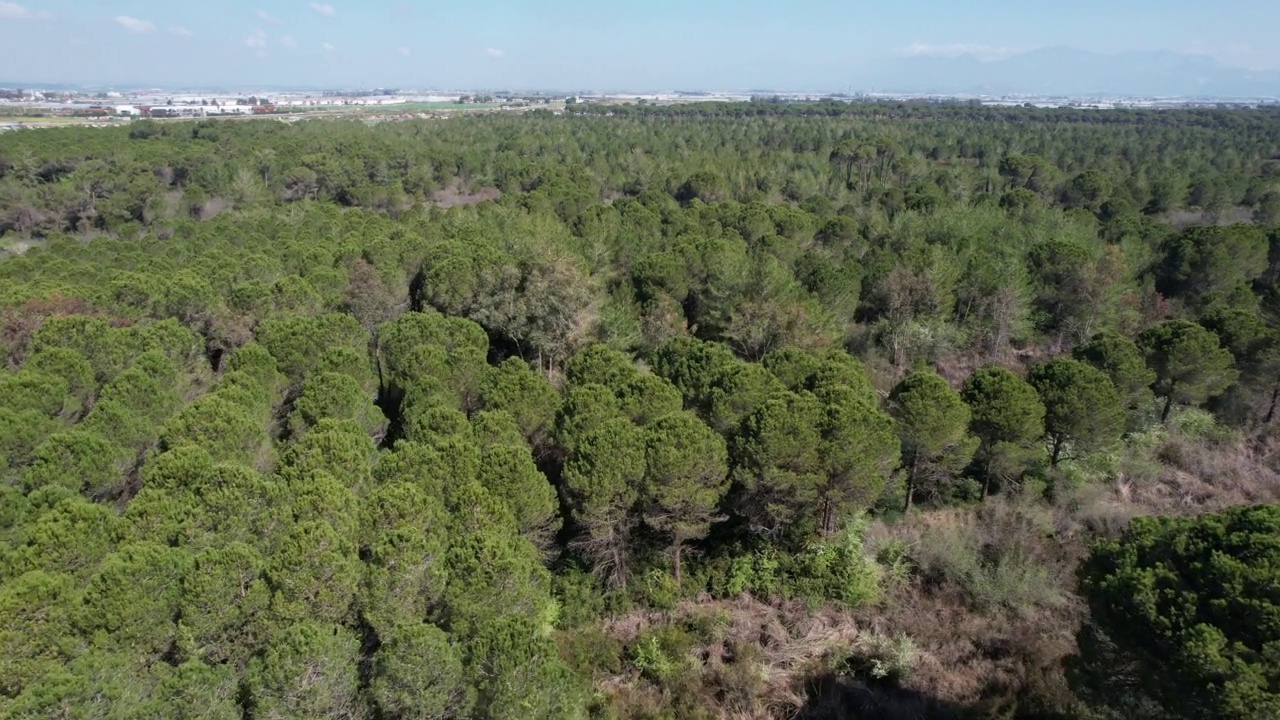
[
  {"x": 456, "y": 194},
  {"x": 1182, "y": 219}
]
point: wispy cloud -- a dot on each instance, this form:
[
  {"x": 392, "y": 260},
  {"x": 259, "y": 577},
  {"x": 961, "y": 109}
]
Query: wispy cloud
[
  {"x": 493, "y": 52},
  {"x": 324, "y": 9},
  {"x": 256, "y": 40},
  {"x": 405, "y": 52},
  {"x": 954, "y": 50},
  {"x": 288, "y": 41},
  {"x": 328, "y": 47},
  {"x": 1234, "y": 54},
  {"x": 266, "y": 17},
  {"x": 403, "y": 9},
  {"x": 14, "y": 11},
  {"x": 180, "y": 31},
  {"x": 134, "y": 25}
]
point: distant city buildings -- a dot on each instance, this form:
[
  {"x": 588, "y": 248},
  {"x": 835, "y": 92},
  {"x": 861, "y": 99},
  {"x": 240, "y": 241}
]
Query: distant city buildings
[{"x": 108, "y": 106}]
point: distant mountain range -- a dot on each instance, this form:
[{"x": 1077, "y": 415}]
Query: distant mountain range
[
  {"x": 1069, "y": 71},
  {"x": 1051, "y": 71}
]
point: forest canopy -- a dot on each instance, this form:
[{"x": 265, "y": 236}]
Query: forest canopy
[{"x": 717, "y": 410}]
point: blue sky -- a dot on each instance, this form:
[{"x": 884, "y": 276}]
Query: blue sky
[{"x": 576, "y": 44}]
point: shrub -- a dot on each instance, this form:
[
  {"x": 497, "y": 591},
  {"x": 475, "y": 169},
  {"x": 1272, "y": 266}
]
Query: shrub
[
  {"x": 888, "y": 657},
  {"x": 709, "y": 626},
  {"x": 591, "y": 651},
  {"x": 658, "y": 590},
  {"x": 1187, "y": 613},
  {"x": 580, "y": 598},
  {"x": 837, "y": 569},
  {"x": 994, "y": 556}
]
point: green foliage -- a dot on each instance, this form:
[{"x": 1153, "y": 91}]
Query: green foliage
[
  {"x": 240, "y": 478},
  {"x": 859, "y": 449},
  {"x": 418, "y": 673},
  {"x": 21, "y": 433},
  {"x": 309, "y": 671},
  {"x": 721, "y": 388},
  {"x": 39, "y": 607},
  {"x": 585, "y": 409},
  {"x": 70, "y": 366},
  {"x": 518, "y": 673},
  {"x": 1123, "y": 362},
  {"x": 297, "y": 343},
  {"x": 836, "y": 569},
  {"x": 220, "y": 426},
  {"x": 258, "y": 363},
  {"x": 314, "y": 574},
  {"x": 337, "y": 396},
  {"x": 1083, "y": 411},
  {"x": 602, "y": 478},
  {"x": 777, "y": 460},
  {"x": 70, "y": 537},
  {"x": 508, "y": 472},
  {"x": 514, "y": 387},
  {"x": 340, "y": 448},
  {"x": 1007, "y": 417},
  {"x": 1202, "y": 262},
  {"x": 496, "y": 427},
  {"x": 649, "y": 656},
  {"x": 33, "y": 392},
  {"x": 449, "y": 350},
  {"x": 494, "y": 572},
  {"x": 224, "y": 604},
  {"x": 134, "y": 596},
  {"x": 132, "y": 407},
  {"x": 1187, "y": 604},
  {"x": 933, "y": 425},
  {"x": 195, "y": 689},
  {"x": 1190, "y": 364},
  {"x": 404, "y": 535},
  {"x": 686, "y": 475}
]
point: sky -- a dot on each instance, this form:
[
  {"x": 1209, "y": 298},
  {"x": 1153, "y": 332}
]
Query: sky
[{"x": 586, "y": 44}]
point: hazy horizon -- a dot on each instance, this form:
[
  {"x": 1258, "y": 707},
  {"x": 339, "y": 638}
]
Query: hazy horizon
[{"x": 808, "y": 45}]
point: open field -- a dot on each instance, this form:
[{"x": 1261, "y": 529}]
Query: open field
[{"x": 51, "y": 121}]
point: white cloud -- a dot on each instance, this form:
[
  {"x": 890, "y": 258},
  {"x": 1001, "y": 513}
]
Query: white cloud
[
  {"x": 180, "y": 31},
  {"x": 493, "y": 52},
  {"x": 985, "y": 53},
  {"x": 405, "y": 52},
  {"x": 403, "y": 9},
  {"x": 14, "y": 11},
  {"x": 256, "y": 40},
  {"x": 324, "y": 9},
  {"x": 328, "y": 47},
  {"x": 288, "y": 41},
  {"x": 266, "y": 17},
  {"x": 134, "y": 25}
]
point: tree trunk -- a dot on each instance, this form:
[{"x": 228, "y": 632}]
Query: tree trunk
[
  {"x": 619, "y": 568},
  {"x": 1271, "y": 408},
  {"x": 1057, "y": 451},
  {"x": 1168, "y": 405},
  {"x": 911, "y": 489},
  {"x": 677, "y": 562}
]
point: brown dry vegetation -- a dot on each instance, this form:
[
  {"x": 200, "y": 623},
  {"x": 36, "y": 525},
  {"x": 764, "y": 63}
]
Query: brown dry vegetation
[
  {"x": 748, "y": 660},
  {"x": 978, "y": 614},
  {"x": 456, "y": 194}
]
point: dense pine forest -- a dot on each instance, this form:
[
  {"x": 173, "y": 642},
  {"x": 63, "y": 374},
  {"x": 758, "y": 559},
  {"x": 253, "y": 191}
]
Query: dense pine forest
[{"x": 756, "y": 410}]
